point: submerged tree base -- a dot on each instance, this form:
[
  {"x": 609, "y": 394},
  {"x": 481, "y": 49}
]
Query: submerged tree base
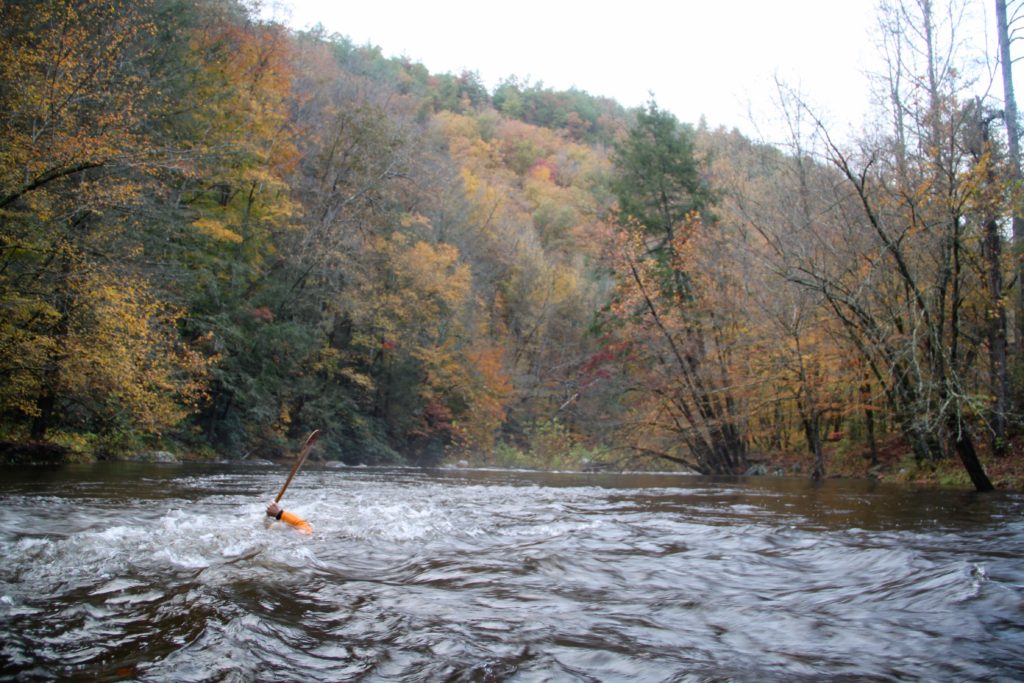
[{"x": 895, "y": 462}]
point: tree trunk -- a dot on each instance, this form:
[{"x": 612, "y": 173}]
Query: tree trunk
[
  {"x": 998, "y": 371},
  {"x": 812, "y": 431},
  {"x": 969, "y": 456},
  {"x": 41, "y": 422},
  {"x": 869, "y": 421},
  {"x": 46, "y": 402},
  {"x": 1013, "y": 150},
  {"x": 992, "y": 252}
]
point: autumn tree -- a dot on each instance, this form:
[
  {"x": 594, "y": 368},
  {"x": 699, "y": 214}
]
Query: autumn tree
[
  {"x": 781, "y": 208},
  {"x": 528, "y": 229},
  {"x": 88, "y": 343},
  {"x": 903, "y": 223},
  {"x": 678, "y": 345}
]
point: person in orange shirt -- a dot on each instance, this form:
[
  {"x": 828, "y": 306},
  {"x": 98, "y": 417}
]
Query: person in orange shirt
[{"x": 277, "y": 512}]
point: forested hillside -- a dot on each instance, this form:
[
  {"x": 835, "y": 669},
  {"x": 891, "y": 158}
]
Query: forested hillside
[{"x": 219, "y": 234}]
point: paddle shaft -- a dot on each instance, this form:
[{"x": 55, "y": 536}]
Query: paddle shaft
[{"x": 306, "y": 447}]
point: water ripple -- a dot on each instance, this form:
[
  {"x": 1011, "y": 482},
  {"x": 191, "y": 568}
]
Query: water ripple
[{"x": 170, "y": 574}]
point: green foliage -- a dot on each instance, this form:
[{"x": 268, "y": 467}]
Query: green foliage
[
  {"x": 658, "y": 180},
  {"x": 462, "y": 93},
  {"x": 549, "y": 446},
  {"x": 583, "y": 117},
  {"x": 549, "y": 441},
  {"x": 507, "y": 456}
]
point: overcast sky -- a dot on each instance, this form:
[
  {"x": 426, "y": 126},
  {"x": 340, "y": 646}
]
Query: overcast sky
[{"x": 711, "y": 58}]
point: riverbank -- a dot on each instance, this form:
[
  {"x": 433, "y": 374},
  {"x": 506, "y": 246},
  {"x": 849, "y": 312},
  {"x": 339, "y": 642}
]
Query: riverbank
[{"x": 893, "y": 463}]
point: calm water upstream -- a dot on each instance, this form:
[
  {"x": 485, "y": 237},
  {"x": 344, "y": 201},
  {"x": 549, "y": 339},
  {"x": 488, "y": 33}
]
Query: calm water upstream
[{"x": 167, "y": 573}]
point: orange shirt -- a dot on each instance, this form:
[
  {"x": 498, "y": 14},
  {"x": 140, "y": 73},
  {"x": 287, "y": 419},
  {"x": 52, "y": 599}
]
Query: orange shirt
[{"x": 297, "y": 522}]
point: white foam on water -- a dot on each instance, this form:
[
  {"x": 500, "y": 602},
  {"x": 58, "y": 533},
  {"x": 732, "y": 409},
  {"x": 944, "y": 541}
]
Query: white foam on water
[
  {"x": 9, "y": 607},
  {"x": 117, "y": 586},
  {"x": 977, "y": 575},
  {"x": 134, "y": 599},
  {"x": 27, "y": 550},
  {"x": 413, "y": 578},
  {"x": 238, "y": 549},
  {"x": 116, "y": 554}
]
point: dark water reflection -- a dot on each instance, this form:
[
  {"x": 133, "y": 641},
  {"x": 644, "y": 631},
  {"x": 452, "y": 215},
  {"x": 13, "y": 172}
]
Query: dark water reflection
[{"x": 167, "y": 573}]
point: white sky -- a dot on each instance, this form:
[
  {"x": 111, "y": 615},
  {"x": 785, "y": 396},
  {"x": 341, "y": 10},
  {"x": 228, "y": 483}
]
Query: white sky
[{"x": 716, "y": 58}]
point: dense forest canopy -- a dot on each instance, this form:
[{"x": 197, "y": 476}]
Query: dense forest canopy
[{"x": 219, "y": 234}]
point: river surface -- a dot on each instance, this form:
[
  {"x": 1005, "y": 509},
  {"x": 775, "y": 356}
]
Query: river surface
[{"x": 169, "y": 573}]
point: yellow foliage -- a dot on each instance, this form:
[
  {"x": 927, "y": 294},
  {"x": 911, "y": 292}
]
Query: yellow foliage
[
  {"x": 74, "y": 103},
  {"x": 409, "y": 220},
  {"x": 112, "y": 352},
  {"x": 358, "y": 378},
  {"x": 217, "y": 230},
  {"x": 121, "y": 350},
  {"x": 455, "y": 125},
  {"x": 541, "y": 173},
  {"x": 435, "y": 282}
]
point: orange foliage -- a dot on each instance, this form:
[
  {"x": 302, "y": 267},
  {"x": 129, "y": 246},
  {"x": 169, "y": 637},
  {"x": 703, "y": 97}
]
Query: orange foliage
[{"x": 76, "y": 101}]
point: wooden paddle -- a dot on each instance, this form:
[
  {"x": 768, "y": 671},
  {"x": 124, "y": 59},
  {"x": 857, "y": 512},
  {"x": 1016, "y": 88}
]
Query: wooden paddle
[{"x": 306, "y": 447}]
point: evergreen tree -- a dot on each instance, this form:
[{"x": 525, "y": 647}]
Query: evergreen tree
[{"x": 658, "y": 181}]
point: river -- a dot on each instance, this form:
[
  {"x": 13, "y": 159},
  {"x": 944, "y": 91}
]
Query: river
[{"x": 169, "y": 573}]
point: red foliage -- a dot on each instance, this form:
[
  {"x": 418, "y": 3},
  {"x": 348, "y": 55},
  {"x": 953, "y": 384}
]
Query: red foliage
[
  {"x": 608, "y": 354},
  {"x": 262, "y": 313},
  {"x": 437, "y": 417}
]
